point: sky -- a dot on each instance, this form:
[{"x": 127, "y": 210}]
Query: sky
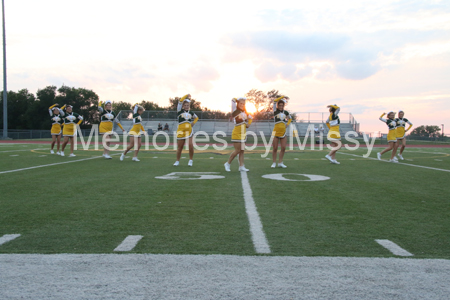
[{"x": 368, "y": 57}]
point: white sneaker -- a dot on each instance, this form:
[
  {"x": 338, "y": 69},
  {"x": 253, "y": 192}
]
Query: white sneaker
[
  {"x": 103, "y": 154},
  {"x": 135, "y": 159},
  {"x": 379, "y": 156},
  {"x": 72, "y": 155},
  {"x": 227, "y": 167},
  {"x": 62, "y": 153},
  {"x": 122, "y": 156},
  {"x": 58, "y": 153},
  {"x": 329, "y": 158},
  {"x": 393, "y": 160},
  {"x": 52, "y": 152},
  {"x": 335, "y": 162},
  {"x": 401, "y": 157},
  {"x": 190, "y": 163},
  {"x": 243, "y": 169},
  {"x": 281, "y": 165},
  {"x": 107, "y": 156},
  {"x": 274, "y": 165},
  {"x": 176, "y": 163}
]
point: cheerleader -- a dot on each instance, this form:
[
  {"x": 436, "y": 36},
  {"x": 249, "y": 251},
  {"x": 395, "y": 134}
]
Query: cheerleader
[
  {"x": 282, "y": 121},
  {"x": 334, "y": 136},
  {"x": 392, "y": 136},
  {"x": 107, "y": 117},
  {"x": 135, "y": 132},
  {"x": 400, "y": 131},
  {"x": 55, "y": 116},
  {"x": 239, "y": 135},
  {"x": 70, "y": 129},
  {"x": 186, "y": 119}
]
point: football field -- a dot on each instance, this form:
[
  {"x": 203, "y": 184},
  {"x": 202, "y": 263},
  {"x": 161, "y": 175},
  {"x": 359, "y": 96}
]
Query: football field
[
  {"x": 362, "y": 208},
  {"x": 87, "y": 204}
]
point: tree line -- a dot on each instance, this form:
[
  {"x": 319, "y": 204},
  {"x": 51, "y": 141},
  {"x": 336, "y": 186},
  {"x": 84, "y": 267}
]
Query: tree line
[{"x": 29, "y": 111}]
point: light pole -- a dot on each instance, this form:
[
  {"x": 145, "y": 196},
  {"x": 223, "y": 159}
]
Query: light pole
[
  {"x": 5, "y": 91},
  {"x": 442, "y": 130}
]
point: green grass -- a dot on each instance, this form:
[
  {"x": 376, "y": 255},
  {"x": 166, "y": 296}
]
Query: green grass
[{"x": 91, "y": 206}]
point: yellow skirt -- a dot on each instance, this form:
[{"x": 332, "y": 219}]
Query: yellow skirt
[
  {"x": 69, "y": 130},
  {"x": 184, "y": 131},
  {"x": 239, "y": 134},
  {"x": 135, "y": 130},
  {"x": 56, "y": 129},
  {"x": 334, "y": 134},
  {"x": 279, "y": 130},
  {"x": 400, "y": 133},
  {"x": 392, "y": 135},
  {"x": 105, "y": 127}
]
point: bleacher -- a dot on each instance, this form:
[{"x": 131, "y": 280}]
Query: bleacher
[{"x": 212, "y": 126}]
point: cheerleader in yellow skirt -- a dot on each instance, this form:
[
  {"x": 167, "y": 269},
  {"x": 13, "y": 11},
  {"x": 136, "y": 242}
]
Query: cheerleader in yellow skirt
[
  {"x": 135, "y": 132},
  {"x": 334, "y": 136},
  {"x": 239, "y": 135},
  {"x": 56, "y": 115},
  {"x": 107, "y": 117},
  {"x": 392, "y": 136},
  {"x": 186, "y": 120},
  {"x": 70, "y": 129},
  {"x": 400, "y": 131},
  {"x": 282, "y": 121}
]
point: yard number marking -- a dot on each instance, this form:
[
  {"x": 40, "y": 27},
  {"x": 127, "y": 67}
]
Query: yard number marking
[
  {"x": 192, "y": 176},
  {"x": 279, "y": 176}
]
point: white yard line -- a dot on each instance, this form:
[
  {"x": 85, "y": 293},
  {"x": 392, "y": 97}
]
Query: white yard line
[
  {"x": 49, "y": 165},
  {"x": 394, "y": 248},
  {"x": 256, "y": 228},
  {"x": 400, "y": 163},
  {"x": 16, "y": 150},
  {"x": 8, "y": 237},
  {"x": 129, "y": 243}
]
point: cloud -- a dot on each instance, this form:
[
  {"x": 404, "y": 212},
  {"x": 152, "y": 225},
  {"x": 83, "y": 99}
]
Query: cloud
[
  {"x": 200, "y": 75},
  {"x": 281, "y": 52}
]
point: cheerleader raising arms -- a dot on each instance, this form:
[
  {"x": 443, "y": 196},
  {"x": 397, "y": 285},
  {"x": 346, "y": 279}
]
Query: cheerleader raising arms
[
  {"x": 70, "y": 129},
  {"x": 334, "y": 135},
  {"x": 282, "y": 121},
  {"x": 401, "y": 139},
  {"x": 186, "y": 120},
  {"x": 107, "y": 117},
  {"x": 135, "y": 133},
  {"x": 392, "y": 136},
  {"x": 56, "y": 115},
  {"x": 239, "y": 135}
]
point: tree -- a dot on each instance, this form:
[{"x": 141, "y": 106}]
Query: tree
[
  {"x": 173, "y": 103},
  {"x": 18, "y": 104},
  {"x": 84, "y": 102},
  {"x": 149, "y": 105},
  {"x": 37, "y": 116},
  {"x": 430, "y": 131},
  {"x": 258, "y": 98}
]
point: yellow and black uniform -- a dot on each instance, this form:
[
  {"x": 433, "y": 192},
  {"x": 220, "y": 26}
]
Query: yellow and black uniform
[
  {"x": 186, "y": 119},
  {"x": 400, "y": 131},
  {"x": 241, "y": 119},
  {"x": 57, "y": 120},
  {"x": 107, "y": 117},
  {"x": 282, "y": 119},
  {"x": 137, "y": 123},
  {"x": 333, "y": 122},
  {"x": 392, "y": 125},
  {"x": 69, "y": 123}
]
